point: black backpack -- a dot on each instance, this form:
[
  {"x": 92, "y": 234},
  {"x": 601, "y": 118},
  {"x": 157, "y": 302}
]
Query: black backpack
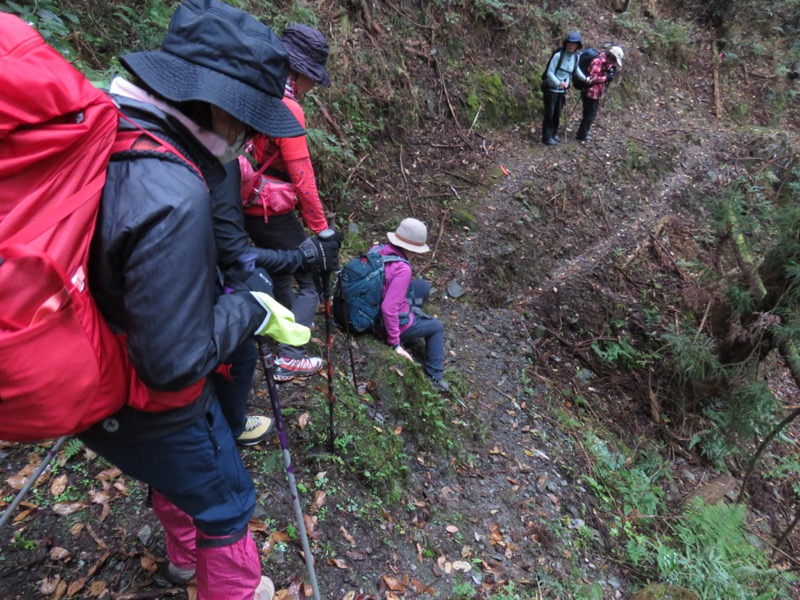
[
  {"x": 585, "y": 59},
  {"x": 547, "y": 65}
]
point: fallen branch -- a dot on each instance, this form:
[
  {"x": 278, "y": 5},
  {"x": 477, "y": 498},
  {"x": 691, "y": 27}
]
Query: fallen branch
[
  {"x": 717, "y": 92},
  {"x": 438, "y": 237},
  {"x": 446, "y": 94},
  {"x": 405, "y": 180},
  {"x": 328, "y": 118},
  {"x": 352, "y": 173},
  {"x": 461, "y": 177}
]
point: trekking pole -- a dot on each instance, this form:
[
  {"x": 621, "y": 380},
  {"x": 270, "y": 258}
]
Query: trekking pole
[
  {"x": 347, "y": 333},
  {"x": 32, "y": 479},
  {"x": 268, "y": 364},
  {"x": 569, "y": 116},
  {"x": 326, "y": 293}
]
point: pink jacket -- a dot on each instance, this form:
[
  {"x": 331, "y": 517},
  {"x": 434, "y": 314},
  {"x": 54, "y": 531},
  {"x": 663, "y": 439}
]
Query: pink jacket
[{"x": 395, "y": 287}]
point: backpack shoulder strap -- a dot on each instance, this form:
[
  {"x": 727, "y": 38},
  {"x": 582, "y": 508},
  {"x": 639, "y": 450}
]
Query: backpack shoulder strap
[
  {"x": 388, "y": 257},
  {"x": 142, "y": 140}
]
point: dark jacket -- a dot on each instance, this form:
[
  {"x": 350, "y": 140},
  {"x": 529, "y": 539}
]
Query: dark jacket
[
  {"x": 231, "y": 237},
  {"x": 153, "y": 270}
]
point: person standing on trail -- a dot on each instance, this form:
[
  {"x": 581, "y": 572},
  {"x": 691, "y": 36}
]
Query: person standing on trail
[
  {"x": 601, "y": 73},
  {"x": 557, "y": 78},
  {"x": 404, "y": 323},
  {"x": 273, "y": 224},
  {"x": 217, "y": 79}
]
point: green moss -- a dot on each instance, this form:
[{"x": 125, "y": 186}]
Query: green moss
[{"x": 498, "y": 103}]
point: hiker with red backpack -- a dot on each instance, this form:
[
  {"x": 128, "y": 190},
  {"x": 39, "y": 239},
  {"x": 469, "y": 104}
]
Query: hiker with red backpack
[
  {"x": 284, "y": 181},
  {"x": 599, "y": 75},
  {"x": 403, "y": 322},
  {"x": 561, "y": 68},
  {"x": 136, "y": 325}
]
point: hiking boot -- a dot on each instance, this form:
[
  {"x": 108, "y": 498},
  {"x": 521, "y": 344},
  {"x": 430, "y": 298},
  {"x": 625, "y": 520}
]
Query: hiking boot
[
  {"x": 287, "y": 369},
  {"x": 265, "y": 589},
  {"x": 256, "y": 429},
  {"x": 180, "y": 575},
  {"x": 440, "y": 385},
  {"x": 556, "y": 138},
  {"x": 551, "y": 142}
]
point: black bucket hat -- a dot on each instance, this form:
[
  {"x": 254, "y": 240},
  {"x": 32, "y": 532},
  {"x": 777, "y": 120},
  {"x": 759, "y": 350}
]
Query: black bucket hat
[
  {"x": 221, "y": 55},
  {"x": 308, "y": 52}
]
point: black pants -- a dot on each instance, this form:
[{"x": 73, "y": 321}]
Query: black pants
[
  {"x": 589, "y": 113},
  {"x": 553, "y": 106}
]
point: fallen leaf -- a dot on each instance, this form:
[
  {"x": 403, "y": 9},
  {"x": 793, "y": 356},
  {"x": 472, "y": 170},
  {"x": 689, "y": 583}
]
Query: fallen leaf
[
  {"x": 108, "y": 474},
  {"x": 148, "y": 563},
  {"x": 347, "y": 536},
  {"x": 97, "y": 587},
  {"x": 398, "y": 430},
  {"x": 393, "y": 583},
  {"x": 59, "y": 485},
  {"x": 61, "y": 589},
  {"x": 302, "y": 420},
  {"x": 68, "y": 508},
  {"x": 257, "y": 525},
  {"x": 398, "y": 371},
  {"x": 338, "y": 563},
  {"x": 319, "y": 499},
  {"x": 311, "y": 526},
  {"x": 462, "y": 566},
  {"x": 76, "y": 529},
  {"x": 99, "y": 496},
  {"x": 451, "y": 529},
  {"x": 76, "y": 586},
  {"x": 121, "y": 487},
  {"x": 466, "y": 551},
  {"x": 421, "y": 588},
  {"x": 59, "y": 553},
  {"x": 18, "y": 481},
  {"x": 49, "y": 585}
]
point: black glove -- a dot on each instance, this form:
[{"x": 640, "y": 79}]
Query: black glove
[
  {"x": 240, "y": 280},
  {"x": 321, "y": 255},
  {"x": 612, "y": 73}
]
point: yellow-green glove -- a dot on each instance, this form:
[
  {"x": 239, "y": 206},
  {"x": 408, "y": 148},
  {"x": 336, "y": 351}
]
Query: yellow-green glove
[{"x": 279, "y": 323}]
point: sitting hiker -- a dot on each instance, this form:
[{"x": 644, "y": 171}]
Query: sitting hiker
[
  {"x": 557, "y": 79},
  {"x": 601, "y": 73},
  {"x": 403, "y": 323}
]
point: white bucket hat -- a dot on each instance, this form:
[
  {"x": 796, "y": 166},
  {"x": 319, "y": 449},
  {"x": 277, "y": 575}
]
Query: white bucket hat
[
  {"x": 410, "y": 235},
  {"x": 617, "y": 52}
]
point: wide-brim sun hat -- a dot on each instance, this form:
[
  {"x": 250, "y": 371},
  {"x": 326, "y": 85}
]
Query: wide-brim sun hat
[
  {"x": 221, "y": 55},
  {"x": 617, "y": 53},
  {"x": 411, "y": 235},
  {"x": 308, "y": 52}
]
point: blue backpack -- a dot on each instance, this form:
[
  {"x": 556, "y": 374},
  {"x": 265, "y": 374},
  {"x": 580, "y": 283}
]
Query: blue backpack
[{"x": 358, "y": 297}]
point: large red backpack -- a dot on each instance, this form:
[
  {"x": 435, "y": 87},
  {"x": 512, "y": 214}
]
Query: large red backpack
[{"x": 61, "y": 367}]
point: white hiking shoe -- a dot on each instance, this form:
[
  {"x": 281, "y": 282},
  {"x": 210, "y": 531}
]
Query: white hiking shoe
[
  {"x": 265, "y": 589},
  {"x": 287, "y": 369}
]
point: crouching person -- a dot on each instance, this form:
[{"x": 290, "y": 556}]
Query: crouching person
[
  {"x": 403, "y": 323},
  {"x": 217, "y": 79}
]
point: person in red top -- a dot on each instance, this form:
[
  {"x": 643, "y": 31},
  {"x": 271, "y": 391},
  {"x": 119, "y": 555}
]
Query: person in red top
[
  {"x": 601, "y": 73},
  {"x": 290, "y": 161}
]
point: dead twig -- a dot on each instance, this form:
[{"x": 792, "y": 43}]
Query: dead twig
[
  {"x": 405, "y": 181},
  {"x": 352, "y": 173},
  {"x": 666, "y": 253},
  {"x": 146, "y": 595},
  {"x": 323, "y": 109},
  {"x": 461, "y": 177},
  {"x": 438, "y": 237}
]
